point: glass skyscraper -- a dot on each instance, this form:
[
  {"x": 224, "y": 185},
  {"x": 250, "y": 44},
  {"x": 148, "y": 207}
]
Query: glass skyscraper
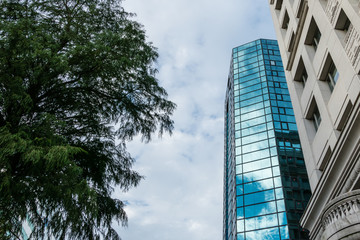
[{"x": 266, "y": 188}]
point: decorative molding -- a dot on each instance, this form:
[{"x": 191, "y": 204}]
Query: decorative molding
[
  {"x": 341, "y": 207},
  {"x": 352, "y": 45},
  {"x": 332, "y": 10}
]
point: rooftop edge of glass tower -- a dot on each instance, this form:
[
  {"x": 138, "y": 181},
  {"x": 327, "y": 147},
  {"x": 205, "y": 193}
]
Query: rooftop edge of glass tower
[{"x": 266, "y": 188}]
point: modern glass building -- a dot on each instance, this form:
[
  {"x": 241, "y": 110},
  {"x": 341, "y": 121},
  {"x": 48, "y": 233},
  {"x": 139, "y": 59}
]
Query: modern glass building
[{"x": 266, "y": 188}]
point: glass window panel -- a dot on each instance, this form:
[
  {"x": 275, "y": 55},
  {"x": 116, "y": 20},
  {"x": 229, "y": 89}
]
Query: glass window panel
[
  {"x": 254, "y": 129},
  {"x": 240, "y": 213},
  {"x": 279, "y": 193},
  {"x": 249, "y": 83},
  {"x": 261, "y": 222},
  {"x": 256, "y": 155},
  {"x": 260, "y": 209},
  {"x": 255, "y": 75},
  {"x": 276, "y": 171},
  {"x": 238, "y": 169},
  {"x": 239, "y": 201},
  {"x": 238, "y": 150},
  {"x": 252, "y": 107},
  {"x": 274, "y": 161},
  {"x": 271, "y": 234},
  {"x": 253, "y": 114},
  {"x": 272, "y": 142},
  {"x": 255, "y": 146},
  {"x": 282, "y": 218},
  {"x": 254, "y": 138},
  {"x": 250, "y": 88},
  {"x": 247, "y": 70},
  {"x": 257, "y": 165},
  {"x": 238, "y": 179},
  {"x": 253, "y": 122},
  {"x": 251, "y": 94},
  {"x": 284, "y": 232},
  {"x": 280, "y": 205},
  {"x": 277, "y": 182},
  {"x": 238, "y": 142},
  {"x": 257, "y": 175},
  {"x": 258, "y": 186},
  {"x": 240, "y": 236},
  {"x": 259, "y": 197},
  {"x": 240, "y": 225},
  {"x": 238, "y": 159},
  {"x": 273, "y": 151},
  {"x": 251, "y": 101},
  {"x": 239, "y": 189}
]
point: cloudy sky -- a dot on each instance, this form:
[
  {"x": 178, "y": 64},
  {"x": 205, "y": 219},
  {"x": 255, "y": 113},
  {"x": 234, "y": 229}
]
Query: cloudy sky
[{"x": 181, "y": 195}]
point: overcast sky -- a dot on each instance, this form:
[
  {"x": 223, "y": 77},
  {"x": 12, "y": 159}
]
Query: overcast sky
[{"x": 181, "y": 195}]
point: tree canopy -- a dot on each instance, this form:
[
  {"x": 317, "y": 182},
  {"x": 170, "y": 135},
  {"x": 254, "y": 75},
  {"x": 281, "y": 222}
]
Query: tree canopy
[{"x": 77, "y": 81}]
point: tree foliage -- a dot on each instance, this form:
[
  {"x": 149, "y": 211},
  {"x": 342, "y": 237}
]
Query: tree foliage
[{"x": 77, "y": 81}]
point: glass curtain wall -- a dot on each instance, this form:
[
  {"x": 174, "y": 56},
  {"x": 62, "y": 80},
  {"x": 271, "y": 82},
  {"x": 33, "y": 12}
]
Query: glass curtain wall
[{"x": 265, "y": 174}]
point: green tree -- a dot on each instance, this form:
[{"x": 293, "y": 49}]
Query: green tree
[{"x": 77, "y": 81}]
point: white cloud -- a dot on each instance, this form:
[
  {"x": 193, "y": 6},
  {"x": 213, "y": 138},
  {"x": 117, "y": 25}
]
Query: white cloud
[{"x": 181, "y": 195}]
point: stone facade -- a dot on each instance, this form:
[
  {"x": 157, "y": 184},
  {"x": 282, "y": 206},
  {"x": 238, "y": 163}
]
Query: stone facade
[{"x": 319, "y": 43}]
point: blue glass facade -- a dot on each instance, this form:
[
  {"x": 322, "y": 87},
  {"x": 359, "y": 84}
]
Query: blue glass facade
[{"x": 266, "y": 187}]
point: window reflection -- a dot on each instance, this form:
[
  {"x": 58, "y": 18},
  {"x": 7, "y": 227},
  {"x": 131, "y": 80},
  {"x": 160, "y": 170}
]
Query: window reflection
[
  {"x": 256, "y": 155},
  {"x": 268, "y": 234},
  {"x": 284, "y": 232},
  {"x": 260, "y": 209},
  {"x": 256, "y": 165},
  {"x": 239, "y": 189},
  {"x": 261, "y": 222},
  {"x": 240, "y": 225},
  {"x": 240, "y": 213},
  {"x": 279, "y": 193},
  {"x": 240, "y": 236},
  {"x": 282, "y": 218},
  {"x": 258, "y": 186},
  {"x": 256, "y": 137},
  {"x": 259, "y": 197},
  {"x": 239, "y": 201},
  {"x": 280, "y": 205},
  {"x": 257, "y": 175},
  {"x": 254, "y": 129}
]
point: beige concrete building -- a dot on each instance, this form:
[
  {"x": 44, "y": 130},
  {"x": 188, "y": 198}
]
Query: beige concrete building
[{"x": 319, "y": 42}]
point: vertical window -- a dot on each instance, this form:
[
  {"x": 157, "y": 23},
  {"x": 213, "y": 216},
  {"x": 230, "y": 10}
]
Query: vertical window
[
  {"x": 316, "y": 38},
  {"x": 301, "y": 73},
  {"x": 332, "y": 76},
  {"x": 316, "y": 118},
  {"x": 286, "y": 20},
  {"x": 343, "y": 24},
  {"x": 278, "y": 4},
  {"x": 314, "y": 35}
]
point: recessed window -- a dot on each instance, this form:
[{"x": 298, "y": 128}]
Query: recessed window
[
  {"x": 332, "y": 76},
  {"x": 301, "y": 73},
  {"x": 313, "y": 114},
  {"x": 343, "y": 24},
  {"x": 291, "y": 42},
  {"x": 300, "y": 8},
  {"x": 314, "y": 35},
  {"x": 278, "y": 4},
  {"x": 316, "y": 38},
  {"x": 316, "y": 117},
  {"x": 285, "y": 23},
  {"x": 329, "y": 73}
]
